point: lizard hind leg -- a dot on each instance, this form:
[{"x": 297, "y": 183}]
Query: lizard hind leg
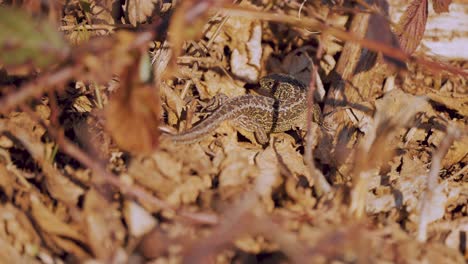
[
  {"x": 261, "y": 136},
  {"x": 251, "y": 130}
]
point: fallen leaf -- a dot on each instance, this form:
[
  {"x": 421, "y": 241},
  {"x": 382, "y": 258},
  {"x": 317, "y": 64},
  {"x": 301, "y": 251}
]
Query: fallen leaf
[
  {"x": 9, "y": 254},
  {"x": 51, "y": 224},
  {"x": 459, "y": 104},
  {"x": 379, "y": 31},
  {"x": 188, "y": 191},
  {"x": 138, "y": 220},
  {"x": 412, "y": 24},
  {"x": 70, "y": 247},
  {"x": 104, "y": 227},
  {"x": 454, "y": 239},
  {"x": 28, "y": 132},
  {"x": 132, "y": 116},
  {"x": 146, "y": 173},
  {"x": 441, "y": 6},
  {"x": 17, "y": 227},
  {"x": 138, "y": 11},
  {"x": 187, "y": 23},
  {"x": 173, "y": 101},
  {"x": 246, "y": 45}
]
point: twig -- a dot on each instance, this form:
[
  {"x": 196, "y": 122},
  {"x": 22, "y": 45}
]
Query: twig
[
  {"x": 56, "y": 79},
  {"x": 432, "y": 180},
  {"x": 460, "y": 171},
  {"x": 92, "y": 27},
  {"x": 217, "y": 31},
  {"x": 321, "y": 184},
  {"x": 37, "y": 87}
]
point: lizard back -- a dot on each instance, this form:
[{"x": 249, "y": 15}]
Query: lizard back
[{"x": 282, "y": 106}]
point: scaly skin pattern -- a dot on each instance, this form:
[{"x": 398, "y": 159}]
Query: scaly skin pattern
[{"x": 281, "y": 107}]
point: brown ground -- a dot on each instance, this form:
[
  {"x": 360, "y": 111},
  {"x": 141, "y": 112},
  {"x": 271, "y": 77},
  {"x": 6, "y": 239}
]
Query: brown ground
[{"x": 86, "y": 178}]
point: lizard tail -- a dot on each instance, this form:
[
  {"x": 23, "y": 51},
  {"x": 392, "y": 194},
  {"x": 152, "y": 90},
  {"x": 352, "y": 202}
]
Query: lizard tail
[{"x": 201, "y": 130}]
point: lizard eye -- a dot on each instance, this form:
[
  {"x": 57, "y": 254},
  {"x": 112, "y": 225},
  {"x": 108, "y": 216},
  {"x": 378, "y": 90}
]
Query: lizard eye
[{"x": 268, "y": 83}]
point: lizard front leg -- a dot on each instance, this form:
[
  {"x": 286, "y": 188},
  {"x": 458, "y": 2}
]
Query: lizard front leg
[{"x": 215, "y": 102}]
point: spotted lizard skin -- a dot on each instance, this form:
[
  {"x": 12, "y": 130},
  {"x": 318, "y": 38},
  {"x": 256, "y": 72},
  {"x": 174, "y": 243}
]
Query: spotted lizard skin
[{"x": 281, "y": 106}]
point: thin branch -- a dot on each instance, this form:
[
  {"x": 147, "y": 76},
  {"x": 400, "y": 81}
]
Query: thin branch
[
  {"x": 105, "y": 177},
  {"x": 313, "y": 24},
  {"x": 321, "y": 184},
  {"x": 37, "y": 87},
  {"x": 432, "y": 180},
  {"x": 109, "y": 28}
]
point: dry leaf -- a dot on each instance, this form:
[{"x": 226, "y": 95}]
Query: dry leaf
[
  {"x": 17, "y": 227},
  {"x": 379, "y": 31},
  {"x": 138, "y": 220},
  {"x": 59, "y": 186},
  {"x": 107, "y": 56},
  {"x": 70, "y": 247},
  {"x": 176, "y": 173},
  {"x": 288, "y": 156},
  {"x": 193, "y": 157},
  {"x": 138, "y": 11},
  {"x": 173, "y": 101},
  {"x": 82, "y": 104},
  {"x": 51, "y": 224},
  {"x": 132, "y": 114},
  {"x": 412, "y": 24},
  {"x": 246, "y": 37},
  {"x": 394, "y": 111},
  {"x": 187, "y": 23},
  {"x": 63, "y": 189},
  {"x": 132, "y": 118},
  {"x": 459, "y": 104},
  {"x": 454, "y": 239},
  {"x": 263, "y": 198},
  {"x": 154, "y": 244},
  {"x": 215, "y": 84},
  {"x": 9, "y": 254},
  {"x": 236, "y": 167},
  {"x": 234, "y": 161},
  {"x": 441, "y": 6},
  {"x": 299, "y": 64},
  {"x": 457, "y": 152},
  {"x": 7, "y": 180},
  {"x": 438, "y": 201},
  {"x": 268, "y": 176},
  {"x": 102, "y": 11},
  {"x": 104, "y": 228},
  {"x": 92, "y": 135},
  {"x": 188, "y": 191},
  {"x": 146, "y": 173},
  {"x": 169, "y": 165}
]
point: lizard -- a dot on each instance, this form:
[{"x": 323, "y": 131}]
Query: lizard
[{"x": 280, "y": 106}]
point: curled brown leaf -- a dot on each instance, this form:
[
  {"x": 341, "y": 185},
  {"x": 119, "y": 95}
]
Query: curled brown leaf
[
  {"x": 133, "y": 121},
  {"x": 410, "y": 28},
  {"x": 133, "y": 113},
  {"x": 441, "y": 6}
]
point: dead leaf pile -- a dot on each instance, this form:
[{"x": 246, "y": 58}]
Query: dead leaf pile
[{"x": 88, "y": 90}]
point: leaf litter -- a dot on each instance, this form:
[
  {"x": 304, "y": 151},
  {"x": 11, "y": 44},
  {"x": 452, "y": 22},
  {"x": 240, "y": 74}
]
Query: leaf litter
[{"x": 87, "y": 175}]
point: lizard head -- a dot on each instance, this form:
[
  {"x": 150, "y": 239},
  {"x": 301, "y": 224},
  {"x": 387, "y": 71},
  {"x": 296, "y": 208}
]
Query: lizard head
[{"x": 269, "y": 81}]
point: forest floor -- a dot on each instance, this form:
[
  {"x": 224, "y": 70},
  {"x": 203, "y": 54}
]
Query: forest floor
[{"x": 90, "y": 89}]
